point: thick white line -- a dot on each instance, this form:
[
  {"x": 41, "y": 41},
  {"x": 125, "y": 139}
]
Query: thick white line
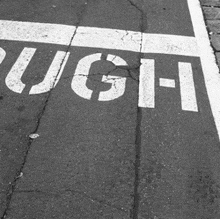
[
  {"x": 164, "y": 82},
  {"x": 187, "y": 87},
  {"x": 13, "y": 79},
  {"x": 147, "y": 84},
  {"x": 209, "y": 66},
  {"x": 98, "y": 38},
  {"x": 107, "y": 39},
  {"x": 36, "y": 32},
  {"x": 169, "y": 44}
]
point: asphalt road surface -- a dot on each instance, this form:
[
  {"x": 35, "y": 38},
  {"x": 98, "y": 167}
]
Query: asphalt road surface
[{"x": 109, "y": 110}]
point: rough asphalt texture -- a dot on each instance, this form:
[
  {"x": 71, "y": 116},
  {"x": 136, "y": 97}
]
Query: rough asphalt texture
[
  {"x": 211, "y": 9},
  {"x": 108, "y": 160}
]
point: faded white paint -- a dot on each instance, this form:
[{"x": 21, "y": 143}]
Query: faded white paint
[
  {"x": 147, "y": 84},
  {"x": 118, "y": 83},
  {"x": 81, "y": 75},
  {"x": 187, "y": 87},
  {"x": 98, "y": 38},
  {"x": 209, "y": 66},
  {"x": 164, "y": 82},
  {"x": 169, "y": 44},
  {"x": 36, "y": 32},
  {"x": 13, "y": 79},
  {"x": 2, "y": 55},
  {"x": 82, "y": 72},
  {"x": 198, "y": 46},
  {"x": 53, "y": 74}
]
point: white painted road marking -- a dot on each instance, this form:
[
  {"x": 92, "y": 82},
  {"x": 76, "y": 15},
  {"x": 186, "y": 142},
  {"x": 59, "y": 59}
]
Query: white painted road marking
[
  {"x": 82, "y": 72},
  {"x": 198, "y": 46},
  {"x": 164, "y": 82},
  {"x": 118, "y": 83},
  {"x": 13, "y": 79},
  {"x": 147, "y": 85},
  {"x": 2, "y": 55},
  {"x": 81, "y": 75},
  {"x": 53, "y": 74},
  {"x": 187, "y": 87},
  {"x": 209, "y": 66},
  {"x": 94, "y": 37}
]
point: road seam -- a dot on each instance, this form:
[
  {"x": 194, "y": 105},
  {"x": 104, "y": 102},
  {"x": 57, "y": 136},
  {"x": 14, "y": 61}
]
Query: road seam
[{"x": 136, "y": 199}]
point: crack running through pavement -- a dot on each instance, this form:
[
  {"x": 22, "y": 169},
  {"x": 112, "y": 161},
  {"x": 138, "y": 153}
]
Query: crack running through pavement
[{"x": 12, "y": 186}]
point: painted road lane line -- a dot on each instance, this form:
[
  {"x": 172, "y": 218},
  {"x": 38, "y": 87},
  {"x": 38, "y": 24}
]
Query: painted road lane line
[
  {"x": 93, "y": 37},
  {"x": 36, "y": 32},
  {"x": 209, "y": 66}
]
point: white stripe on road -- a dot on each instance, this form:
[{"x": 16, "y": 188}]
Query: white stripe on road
[
  {"x": 98, "y": 38},
  {"x": 187, "y": 87},
  {"x": 147, "y": 84},
  {"x": 169, "y": 44},
  {"x": 36, "y": 32},
  {"x": 209, "y": 66}
]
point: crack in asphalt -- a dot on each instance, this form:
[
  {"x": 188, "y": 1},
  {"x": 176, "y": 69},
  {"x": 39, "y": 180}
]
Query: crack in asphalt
[
  {"x": 92, "y": 76},
  {"x": 61, "y": 192},
  {"x": 134, "y": 5},
  {"x": 136, "y": 196},
  {"x": 134, "y": 211},
  {"x": 12, "y": 186}
]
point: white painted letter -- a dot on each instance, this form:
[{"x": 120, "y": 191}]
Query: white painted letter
[
  {"x": 118, "y": 83},
  {"x": 13, "y": 79},
  {"x": 187, "y": 87},
  {"x": 82, "y": 72},
  {"x": 53, "y": 75},
  {"x": 147, "y": 84},
  {"x": 2, "y": 55}
]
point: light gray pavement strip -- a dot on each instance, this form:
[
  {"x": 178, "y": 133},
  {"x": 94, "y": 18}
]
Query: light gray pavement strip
[{"x": 111, "y": 159}]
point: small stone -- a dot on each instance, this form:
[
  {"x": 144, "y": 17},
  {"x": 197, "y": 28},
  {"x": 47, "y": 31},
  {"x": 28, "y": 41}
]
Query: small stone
[
  {"x": 21, "y": 174},
  {"x": 33, "y": 136}
]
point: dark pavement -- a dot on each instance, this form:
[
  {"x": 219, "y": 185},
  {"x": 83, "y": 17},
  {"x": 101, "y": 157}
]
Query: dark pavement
[{"x": 105, "y": 159}]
